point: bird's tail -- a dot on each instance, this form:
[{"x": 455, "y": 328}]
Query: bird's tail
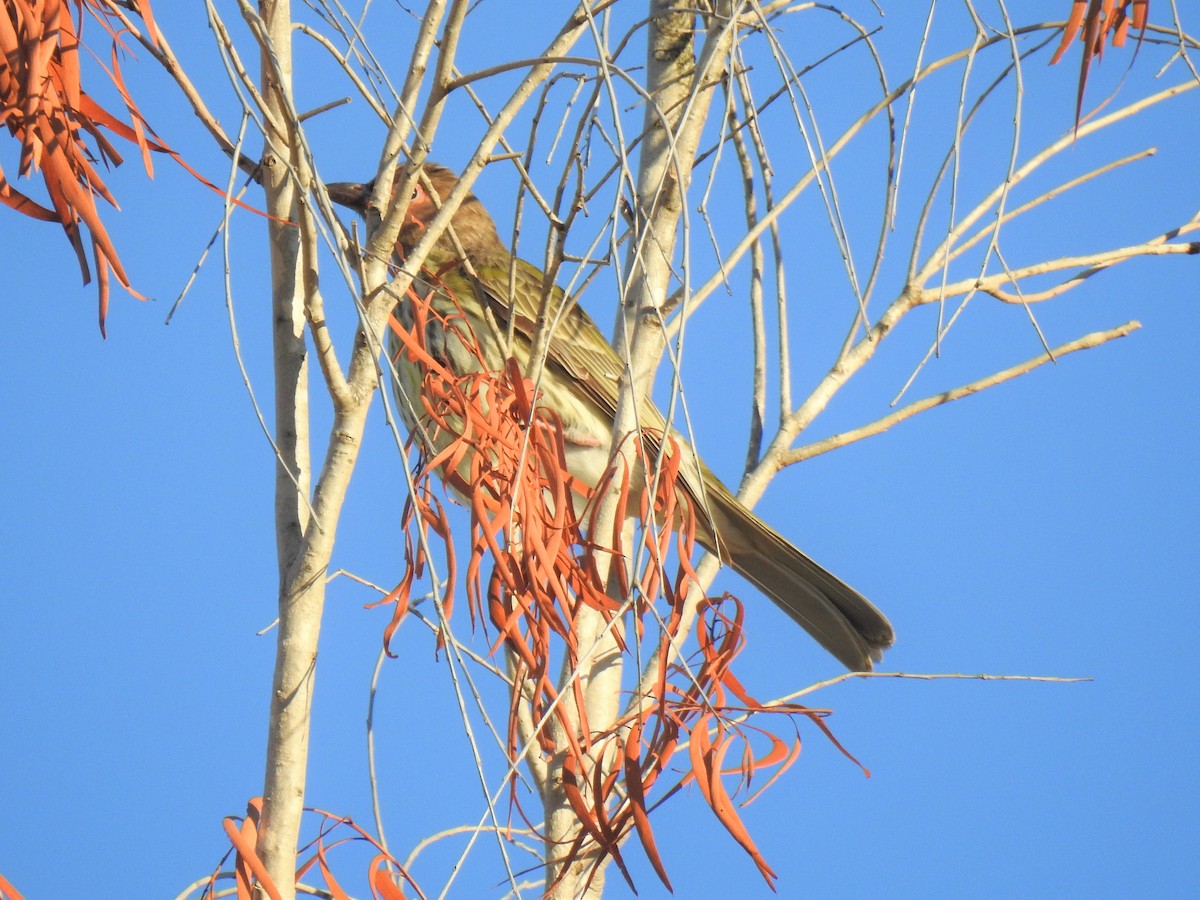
[{"x": 842, "y": 620}]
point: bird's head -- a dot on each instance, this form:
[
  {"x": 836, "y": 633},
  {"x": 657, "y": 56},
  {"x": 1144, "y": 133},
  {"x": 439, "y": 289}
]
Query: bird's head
[{"x": 473, "y": 226}]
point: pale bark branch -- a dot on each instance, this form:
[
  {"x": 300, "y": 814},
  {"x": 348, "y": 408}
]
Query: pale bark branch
[
  {"x": 301, "y": 596},
  {"x": 1090, "y": 263},
  {"x": 938, "y": 257},
  {"x": 1088, "y": 341}
]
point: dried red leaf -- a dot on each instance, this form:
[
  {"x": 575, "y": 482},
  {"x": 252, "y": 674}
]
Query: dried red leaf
[
  {"x": 249, "y": 873},
  {"x": 44, "y": 109},
  {"x": 1093, "y": 20},
  {"x": 378, "y": 873},
  {"x": 637, "y": 781},
  {"x": 8, "y": 892},
  {"x": 249, "y": 868},
  {"x": 59, "y": 127},
  {"x": 383, "y": 884}
]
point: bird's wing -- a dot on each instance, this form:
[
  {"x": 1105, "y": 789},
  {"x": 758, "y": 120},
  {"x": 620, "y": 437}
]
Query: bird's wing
[
  {"x": 576, "y": 345},
  {"x": 839, "y": 617}
]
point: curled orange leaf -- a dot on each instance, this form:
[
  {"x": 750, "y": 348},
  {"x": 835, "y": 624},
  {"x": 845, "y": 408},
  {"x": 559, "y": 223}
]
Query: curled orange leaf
[{"x": 1093, "y": 21}]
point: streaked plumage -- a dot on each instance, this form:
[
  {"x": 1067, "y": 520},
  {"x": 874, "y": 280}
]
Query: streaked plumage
[{"x": 580, "y": 384}]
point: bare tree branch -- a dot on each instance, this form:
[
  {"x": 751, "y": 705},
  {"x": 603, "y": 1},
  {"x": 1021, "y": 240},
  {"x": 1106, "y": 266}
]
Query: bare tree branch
[{"x": 1087, "y": 342}]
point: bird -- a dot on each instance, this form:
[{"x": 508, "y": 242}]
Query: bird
[{"x": 580, "y": 384}]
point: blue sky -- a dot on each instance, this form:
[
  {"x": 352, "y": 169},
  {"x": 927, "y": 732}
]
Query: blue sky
[{"x": 1046, "y": 527}]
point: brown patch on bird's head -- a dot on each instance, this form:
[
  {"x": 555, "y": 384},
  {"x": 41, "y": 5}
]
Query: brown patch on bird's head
[{"x": 472, "y": 225}]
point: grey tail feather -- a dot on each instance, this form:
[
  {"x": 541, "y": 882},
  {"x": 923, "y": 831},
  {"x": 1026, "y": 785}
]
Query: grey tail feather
[{"x": 841, "y": 619}]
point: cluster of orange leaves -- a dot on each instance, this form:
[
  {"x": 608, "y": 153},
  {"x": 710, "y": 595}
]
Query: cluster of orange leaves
[
  {"x": 504, "y": 454},
  {"x": 8, "y": 892},
  {"x": 249, "y": 871},
  {"x": 1093, "y": 21},
  {"x": 57, "y": 124}
]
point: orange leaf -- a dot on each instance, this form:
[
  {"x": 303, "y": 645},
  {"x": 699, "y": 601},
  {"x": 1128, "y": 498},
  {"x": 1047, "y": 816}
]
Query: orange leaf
[
  {"x": 243, "y": 841},
  {"x": 8, "y": 892},
  {"x": 382, "y": 883},
  {"x": 1099, "y": 18}
]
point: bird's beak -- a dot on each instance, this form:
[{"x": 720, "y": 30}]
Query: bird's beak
[{"x": 347, "y": 193}]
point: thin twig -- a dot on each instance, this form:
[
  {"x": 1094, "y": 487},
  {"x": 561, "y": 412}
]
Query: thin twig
[{"x": 1088, "y": 341}]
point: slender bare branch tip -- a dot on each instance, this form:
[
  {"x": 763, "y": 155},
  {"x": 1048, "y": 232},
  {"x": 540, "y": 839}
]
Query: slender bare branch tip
[{"x": 324, "y": 107}]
